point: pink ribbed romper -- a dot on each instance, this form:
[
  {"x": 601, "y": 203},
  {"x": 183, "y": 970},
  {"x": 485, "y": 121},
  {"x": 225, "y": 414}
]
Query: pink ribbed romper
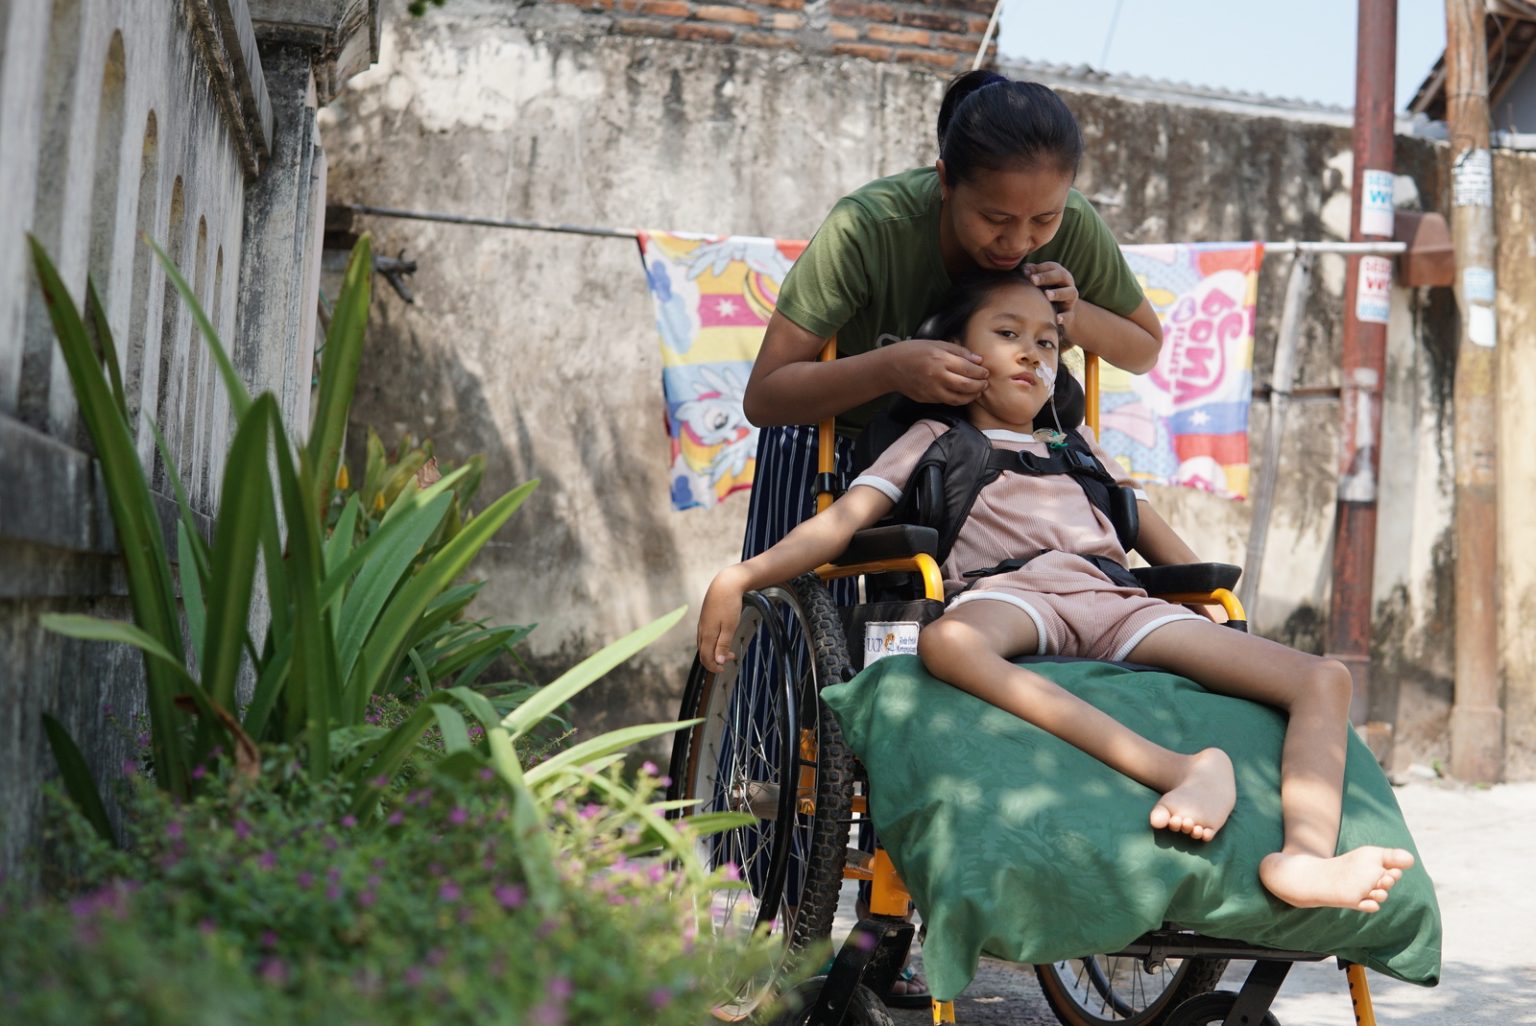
[{"x": 1076, "y": 609}]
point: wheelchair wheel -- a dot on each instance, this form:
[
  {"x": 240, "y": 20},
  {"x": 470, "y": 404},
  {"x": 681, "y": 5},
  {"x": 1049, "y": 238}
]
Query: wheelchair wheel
[
  {"x": 1211, "y": 1010},
  {"x": 1121, "y": 989},
  {"x": 766, "y": 746},
  {"x": 864, "y": 1010}
]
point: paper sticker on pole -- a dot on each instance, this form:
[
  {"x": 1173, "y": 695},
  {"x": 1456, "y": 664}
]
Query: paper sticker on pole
[
  {"x": 1373, "y": 291},
  {"x": 1472, "y": 179},
  {"x": 1376, "y": 209}
]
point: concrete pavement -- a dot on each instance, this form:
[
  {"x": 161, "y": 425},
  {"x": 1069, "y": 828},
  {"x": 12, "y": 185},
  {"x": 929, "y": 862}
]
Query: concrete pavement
[{"x": 1478, "y": 844}]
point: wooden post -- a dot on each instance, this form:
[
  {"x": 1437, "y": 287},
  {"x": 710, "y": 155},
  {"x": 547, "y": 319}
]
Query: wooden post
[{"x": 1477, "y": 719}]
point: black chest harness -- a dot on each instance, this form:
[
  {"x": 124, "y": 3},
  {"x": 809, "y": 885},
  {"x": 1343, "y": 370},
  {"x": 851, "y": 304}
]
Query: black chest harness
[{"x": 962, "y": 461}]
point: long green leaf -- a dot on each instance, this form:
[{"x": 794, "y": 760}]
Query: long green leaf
[
  {"x": 596, "y": 748},
  {"x": 150, "y": 589},
  {"x": 338, "y": 373},
  {"x": 77, "y": 778},
  {"x": 581, "y": 676},
  {"x": 246, "y": 502},
  {"x": 535, "y": 851},
  {"x": 313, "y": 672},
  {"x": 197, "y": 544},
  {"x": 270, "y": 683},
  {"x": 387, "y": 643},
  {"x": 390, "y": 562},
  {"x": 97, "y": 315},
  {"x": 92, "y": 628},
  {"x": 339, "y": 545},
  {"x": 239, "y": 397},
  {"x": 191, "y": 587},
  {"x": 455, "y": 731},
  {"x": 396, "y": 521}
]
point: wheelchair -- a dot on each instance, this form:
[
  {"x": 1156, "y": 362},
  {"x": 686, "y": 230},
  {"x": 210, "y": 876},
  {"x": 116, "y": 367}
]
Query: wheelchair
[{"x": 764, "y": 744}]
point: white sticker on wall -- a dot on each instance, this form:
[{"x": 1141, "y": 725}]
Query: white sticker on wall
[
  {"x": 1477, "y": 285},
  {"x": 1472, "y": 180},
  {"x": 1373, "y": 291},
  {"x": 1376, "y": 209},
  {"x": 883, "y": 638},
  {"x": 1482, "y": 328}
]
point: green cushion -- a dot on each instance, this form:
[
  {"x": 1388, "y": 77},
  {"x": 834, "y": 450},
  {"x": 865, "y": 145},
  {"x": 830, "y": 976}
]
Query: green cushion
[{"x": 1017, "y": 845}]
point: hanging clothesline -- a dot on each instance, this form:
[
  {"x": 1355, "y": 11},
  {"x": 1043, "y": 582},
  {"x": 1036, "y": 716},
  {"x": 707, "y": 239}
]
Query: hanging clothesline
[{"x": 1289, "y": 246}]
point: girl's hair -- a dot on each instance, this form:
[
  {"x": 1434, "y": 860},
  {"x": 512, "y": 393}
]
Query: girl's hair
[{"x": 989, "y": 122}]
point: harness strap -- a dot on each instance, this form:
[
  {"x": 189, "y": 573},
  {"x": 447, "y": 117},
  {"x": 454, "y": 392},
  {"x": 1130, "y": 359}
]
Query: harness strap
[{"x": 1108, "y": 567}]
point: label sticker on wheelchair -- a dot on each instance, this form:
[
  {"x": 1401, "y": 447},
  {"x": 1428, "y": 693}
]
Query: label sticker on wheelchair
[{"x": 883, "y": 638}]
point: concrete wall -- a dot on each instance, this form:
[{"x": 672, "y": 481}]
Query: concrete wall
[
  {"x": 538, "y": 348},
  {"x": 118, "y": 121}
]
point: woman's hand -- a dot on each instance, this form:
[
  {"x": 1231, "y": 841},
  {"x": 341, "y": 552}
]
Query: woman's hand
[
  {"x": 1059, "y": 287},
  {"x": 929, "y": 371},
  {"x": 719, "y": 616}
]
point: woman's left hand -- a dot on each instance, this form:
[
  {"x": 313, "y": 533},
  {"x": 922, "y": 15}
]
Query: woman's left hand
[{"x": 1059, "y": 287}]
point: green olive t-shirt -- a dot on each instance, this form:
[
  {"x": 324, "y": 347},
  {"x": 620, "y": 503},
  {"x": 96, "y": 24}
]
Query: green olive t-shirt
[{"x": 873, "y": 268}]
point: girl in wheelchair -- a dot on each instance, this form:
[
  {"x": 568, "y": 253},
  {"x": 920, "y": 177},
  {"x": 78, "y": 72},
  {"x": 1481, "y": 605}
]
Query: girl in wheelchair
[{"x": 1037, "y": 568}]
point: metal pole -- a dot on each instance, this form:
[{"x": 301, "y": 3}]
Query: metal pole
[
  {"x": 1367, "y": 301},
  {"x": 1298, "y": 284},
  {"x": 1477, "y": 721}
]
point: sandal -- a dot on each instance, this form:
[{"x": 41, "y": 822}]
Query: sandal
[{"x": 909, "y": 990}]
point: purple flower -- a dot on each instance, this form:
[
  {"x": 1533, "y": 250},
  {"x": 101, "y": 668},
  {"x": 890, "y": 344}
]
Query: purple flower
[
  {"x": 560, "y": 988},
  {"x": 173, "y": 829},
  {"x": 381, "y": 781},
  {"x": 367, "y": 898},
  {"x": 274, "y": 971},
  {"x": 546, "y": 1014},
  {"x": 413, "y": 976},
  {"x": 435, "y": 957},
  {"x": 333, "y": 892},
  {"x": 268, "y": 860},
  {"x": 661, "y": 997},
  {"x": 487, "y": 774},
  {"x": 268, "y": 939},
  {"x": 458, "y": 817},
  {"x": 348, "y": 821},
  {"x": 207, "y": 926},
  {"x": 199, "y": 771},
  {"x": 510, "y": 896},
  {"x": 130, "y": 768},
  {"x": 305, "y": 880},
  {"x": 648, "y": 768},
  {"x": 449, "y": 892},
  {"x": 590, "y": 811},
  {"x": 242, "y": 829},
  {"x": 395, "y": 818}
]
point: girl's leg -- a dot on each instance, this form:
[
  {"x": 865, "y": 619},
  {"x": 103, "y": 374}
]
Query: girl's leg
[
  {"x": 969, "y": 647},
  {"x": 1314, "y": 693}
]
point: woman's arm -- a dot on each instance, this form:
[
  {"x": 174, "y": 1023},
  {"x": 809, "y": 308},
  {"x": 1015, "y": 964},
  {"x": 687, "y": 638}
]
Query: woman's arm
[
  {"x": 789, "y": 385},
  {"x": 1131, "y": 343},
  {"x": 812, "y": 543}
]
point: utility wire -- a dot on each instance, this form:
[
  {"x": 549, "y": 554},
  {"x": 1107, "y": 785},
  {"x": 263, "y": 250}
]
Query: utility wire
[{"x": 1109, "y": 37}]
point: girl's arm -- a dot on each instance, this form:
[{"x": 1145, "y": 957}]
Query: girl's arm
[
  {"x": 812, "y": 543},
  {"x": 1157, "y": 542},
  {"x": 789, "y": 385}
]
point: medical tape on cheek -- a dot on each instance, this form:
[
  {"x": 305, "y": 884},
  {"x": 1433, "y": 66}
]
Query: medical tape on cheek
[{"x": 1047, "y": 374}]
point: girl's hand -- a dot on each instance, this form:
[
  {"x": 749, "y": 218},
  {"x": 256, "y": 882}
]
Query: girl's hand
[
  {"x": 719, "y": 617},
  {"x": 1059, "y": 287},
  {"x": 929, "y": 371}
]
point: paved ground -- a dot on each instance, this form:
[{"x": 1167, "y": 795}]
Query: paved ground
[{"x": 1477, "y": 843}]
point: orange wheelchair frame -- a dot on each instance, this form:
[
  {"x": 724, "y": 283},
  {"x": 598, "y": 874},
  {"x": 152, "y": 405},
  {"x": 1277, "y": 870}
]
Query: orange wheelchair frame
[{"x": 868, "y": 962}]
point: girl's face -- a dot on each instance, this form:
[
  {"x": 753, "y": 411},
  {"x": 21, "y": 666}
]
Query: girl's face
[
  {"x": 1014, "y": 332},
  {"x": 995, "y": 219}
]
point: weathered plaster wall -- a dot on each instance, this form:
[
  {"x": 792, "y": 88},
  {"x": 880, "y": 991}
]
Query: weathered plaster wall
[{"x": 538, "y": 348}]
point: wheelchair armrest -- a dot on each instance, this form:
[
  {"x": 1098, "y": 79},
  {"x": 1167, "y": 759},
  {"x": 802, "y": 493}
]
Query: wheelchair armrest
[
  {"x": 1182, "y": 578},
  {"x": 891, "y": 542}
]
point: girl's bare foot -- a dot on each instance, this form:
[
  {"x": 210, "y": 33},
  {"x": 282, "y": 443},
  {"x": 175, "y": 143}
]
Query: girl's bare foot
[
  {"x": 1200, "y": 803},
  {"x": 1358, "y": 879}
]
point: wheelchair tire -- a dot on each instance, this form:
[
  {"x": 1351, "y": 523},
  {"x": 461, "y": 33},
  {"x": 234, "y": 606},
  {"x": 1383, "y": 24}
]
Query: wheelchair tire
[
  {"x": 1211, "y": 1010},
  {"x": 1119, "y": 989},
  {"x": 864, "y": 1010},
  {"x": 792, "y": 860}
]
